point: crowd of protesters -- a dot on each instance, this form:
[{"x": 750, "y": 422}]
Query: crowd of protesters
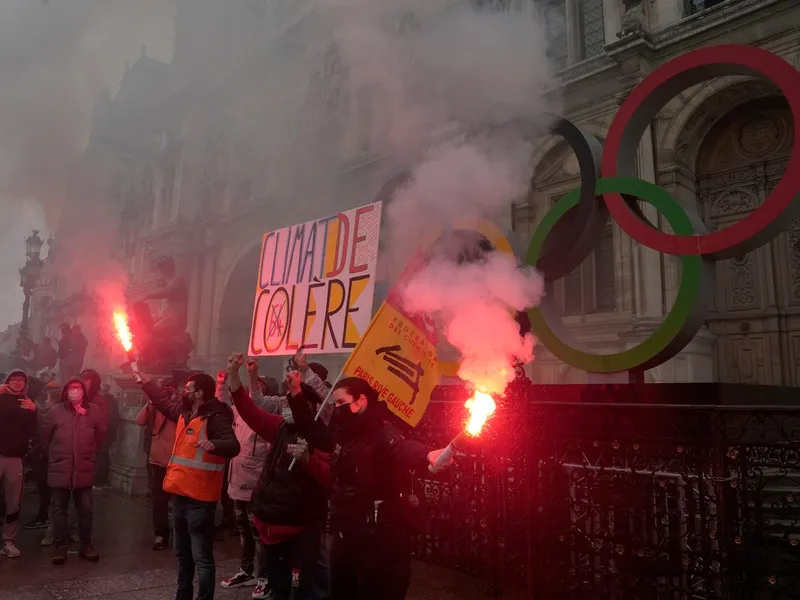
[
  {"x": 67, "y": 357},
  {"x": 322, "y": 505}
]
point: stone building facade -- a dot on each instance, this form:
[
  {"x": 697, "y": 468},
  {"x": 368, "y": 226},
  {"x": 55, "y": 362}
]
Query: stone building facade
[{"x": 195, "y": 181}]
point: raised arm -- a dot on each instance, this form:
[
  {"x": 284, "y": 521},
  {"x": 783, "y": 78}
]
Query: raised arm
[
  {"x": 170, "y": 408},
  {"x": 271, "y": 404},
  {"x": 262, "y": 422}
]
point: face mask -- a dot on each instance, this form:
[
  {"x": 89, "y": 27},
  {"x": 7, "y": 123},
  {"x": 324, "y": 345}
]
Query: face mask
[
  {"x": 344, "y": 421},
  {"x": 75, "y": 396}
]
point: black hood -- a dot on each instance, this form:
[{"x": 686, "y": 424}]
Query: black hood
[
  {"x": 93, "y": 380},
  {"x": 24, "y": 374}
]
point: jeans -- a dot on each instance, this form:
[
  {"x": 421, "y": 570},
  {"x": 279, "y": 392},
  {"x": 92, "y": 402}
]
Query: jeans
[
  {"x": 322, "y": 573},
  {"x": 193, "y": 531},
  {"x": 160, "y": 500},
  {"x": 82, "y": 498},
  {"x": 371, "y": 567},
  {"x": 11, "y": 485},
  {"x": 290, "y": 565},
  {"x": 252, "y": 546}
]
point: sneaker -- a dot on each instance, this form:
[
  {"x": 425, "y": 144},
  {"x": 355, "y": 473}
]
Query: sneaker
[
  {"x": 59, "y": 555},
  {"x": 159, "y": 543},
  {"x": 10, "y": 550},
  {"x": 37, "y": 524},
  {"x": 88, "y": 552},
  {"x": 261, "y": 591},
  {"x": 48, "y": 539},
  {"x": 241, "y": 579}
]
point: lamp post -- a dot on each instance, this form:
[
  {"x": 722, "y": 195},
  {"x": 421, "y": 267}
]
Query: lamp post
[{"x": 29, "y": 273}]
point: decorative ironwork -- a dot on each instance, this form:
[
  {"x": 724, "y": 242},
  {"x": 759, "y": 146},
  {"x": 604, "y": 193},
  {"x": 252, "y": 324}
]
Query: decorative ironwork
[{"x": 580, "y": 493}]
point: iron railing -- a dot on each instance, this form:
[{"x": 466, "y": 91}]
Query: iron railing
[{"x": 622, "y": 492}]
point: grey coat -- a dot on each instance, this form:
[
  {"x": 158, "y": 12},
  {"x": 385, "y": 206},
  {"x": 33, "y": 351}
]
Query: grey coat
[{"x": 73, "y": 441}]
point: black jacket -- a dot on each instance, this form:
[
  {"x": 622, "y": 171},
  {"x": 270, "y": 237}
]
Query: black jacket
[
  {"x": 369, "y": 467},
  {"x": 284, "y": 497},
  {"x": 218, "y": 415},
  {"x": 17, "y": 425}
]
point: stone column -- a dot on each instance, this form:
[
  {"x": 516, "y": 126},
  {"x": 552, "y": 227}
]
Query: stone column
[
  {"x": 648, "y": 286},
  {"x": 129, "y": 462}
]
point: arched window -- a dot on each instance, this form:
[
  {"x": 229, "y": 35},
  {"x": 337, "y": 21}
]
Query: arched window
[{"x": 592, "y": 286}]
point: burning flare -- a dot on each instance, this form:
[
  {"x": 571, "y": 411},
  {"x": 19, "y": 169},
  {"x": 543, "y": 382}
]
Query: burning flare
[
  {"x": 123, "y": 332},
  {"x": 481, "y": 406}
]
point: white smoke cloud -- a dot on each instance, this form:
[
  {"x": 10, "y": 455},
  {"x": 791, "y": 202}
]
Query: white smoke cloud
[
  {"x": 451, "y": 76},
  {"x": 477, "y": 303},
  {"x": 55, "y": 57}
]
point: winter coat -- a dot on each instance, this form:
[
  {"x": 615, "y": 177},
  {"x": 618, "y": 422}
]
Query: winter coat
[
  {"x": 163, "y": 434},
  {"x": 218, "y": 415},
  {"x": 245, "y": 469},
  {"x": 17, "y": 425},
  {"x": 73, "y": 441},
  {"x": 283, "y": 497}
]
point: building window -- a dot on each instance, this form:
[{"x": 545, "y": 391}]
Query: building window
[
  {"x": 592, "y": 27},
  {"x": 591, "y": 288},
  {"x": 555, "y": 19},
  {"x": 695, "y": 6}
]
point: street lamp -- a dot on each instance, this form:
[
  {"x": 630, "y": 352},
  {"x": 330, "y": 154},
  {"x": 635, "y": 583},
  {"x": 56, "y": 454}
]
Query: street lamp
[{"x": 29, "y": 273}]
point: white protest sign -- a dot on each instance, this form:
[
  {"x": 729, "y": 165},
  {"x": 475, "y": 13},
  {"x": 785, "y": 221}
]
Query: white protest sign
[{"x": 316, "y": 283}]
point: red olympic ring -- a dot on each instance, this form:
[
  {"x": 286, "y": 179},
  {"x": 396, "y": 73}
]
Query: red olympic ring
[{"x": 642, "y": 106}]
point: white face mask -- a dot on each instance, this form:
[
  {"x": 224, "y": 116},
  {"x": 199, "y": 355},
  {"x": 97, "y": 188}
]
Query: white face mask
[{"x": 75, "y": 396}]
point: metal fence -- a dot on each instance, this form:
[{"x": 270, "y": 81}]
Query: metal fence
[{"x": 622, "y": 492}]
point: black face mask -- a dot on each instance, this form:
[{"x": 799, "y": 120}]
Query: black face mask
[{"x": 344, "y": 422}]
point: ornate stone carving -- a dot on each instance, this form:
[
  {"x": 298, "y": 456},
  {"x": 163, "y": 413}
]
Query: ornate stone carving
[
  {"x": 634, "y": 19},
  {"x": 733, "y": 202},
  {"x": 758, "y": 136},
  {"x": 742, "y": 282},
  {"x": 793, "y": 241}
]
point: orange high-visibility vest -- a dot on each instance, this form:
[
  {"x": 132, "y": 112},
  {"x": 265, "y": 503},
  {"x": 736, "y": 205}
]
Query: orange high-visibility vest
[{"x": 192, "y": 472}]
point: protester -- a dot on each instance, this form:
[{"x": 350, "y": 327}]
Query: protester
[
  {"x": 204, "y": 439},
  {"x": 45, "y": 355},
  {"x": 37, "y": 459},
  {"x": 371, "y": 558},
  {"x": 79, "y": 346},
  {"x": 73, "y": 432},
  {"x": 244, "y": 472},
  {"x": 17, "y": 425},
  {"x": 288, "y": 506},
  {"x": 162, "y": 439}
]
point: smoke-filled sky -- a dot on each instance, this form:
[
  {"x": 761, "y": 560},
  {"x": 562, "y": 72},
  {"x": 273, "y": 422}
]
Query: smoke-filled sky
[
  {"x": 423, "y": 66},
  {"x": 55, "y": 56}
]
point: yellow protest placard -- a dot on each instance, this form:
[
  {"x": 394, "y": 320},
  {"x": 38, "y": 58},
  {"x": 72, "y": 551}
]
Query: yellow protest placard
[{"x": 397, "y": 356}]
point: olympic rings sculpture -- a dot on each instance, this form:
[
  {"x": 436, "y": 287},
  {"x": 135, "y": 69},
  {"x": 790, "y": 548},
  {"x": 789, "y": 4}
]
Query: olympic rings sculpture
[
  {"x": 572, "y": 227},
  {"x": 697, "y": 248}
]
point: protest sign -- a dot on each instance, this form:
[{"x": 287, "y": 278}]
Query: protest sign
[
  {"x": 397, "y": 356},
  {"x": 316, "y": 282}
]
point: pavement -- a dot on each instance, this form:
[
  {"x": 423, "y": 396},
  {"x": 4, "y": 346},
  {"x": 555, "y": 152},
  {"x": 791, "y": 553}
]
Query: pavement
[{"x": 130, "y": 569}]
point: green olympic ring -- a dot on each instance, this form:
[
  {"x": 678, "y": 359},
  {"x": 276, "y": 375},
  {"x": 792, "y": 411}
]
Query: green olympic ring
[{"x": 678, "y": 328}]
